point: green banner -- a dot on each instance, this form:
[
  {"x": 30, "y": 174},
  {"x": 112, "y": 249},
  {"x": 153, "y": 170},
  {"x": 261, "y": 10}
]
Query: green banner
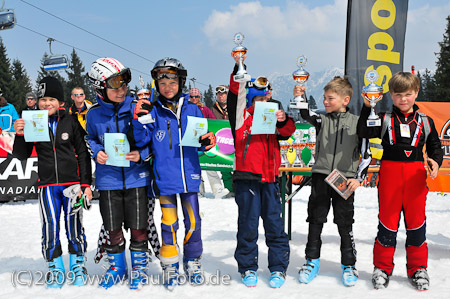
[{"x": 221, "y": 157}]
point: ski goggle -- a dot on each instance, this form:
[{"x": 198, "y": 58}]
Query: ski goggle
[
  {"x": 221, "y": 89},
  {"x": 261, "y": 82},
  {"x": 165, "y": 73},
  {"x": 119, "y": 80}
]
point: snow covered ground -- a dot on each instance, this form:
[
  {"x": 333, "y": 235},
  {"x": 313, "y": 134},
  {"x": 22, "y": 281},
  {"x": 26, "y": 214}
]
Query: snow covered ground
[{"x": 21, "y": 259}]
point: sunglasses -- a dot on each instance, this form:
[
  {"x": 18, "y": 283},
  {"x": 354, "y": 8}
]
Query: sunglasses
[
  {"x": 119, "y": 80},
  {"x": 78, "y": 94},
  {"x": 166, "y": 73},
  {"x": 221, "y": 89},
  {"x": 31, "y": 99},
  {"x": 195, "y": 97}
]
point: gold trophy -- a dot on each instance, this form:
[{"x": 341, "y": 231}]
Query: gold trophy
[
  {"x": 372, "y": 93},
  {"x": 240, "y": 50},
  {"x": 300, "y": 76}
]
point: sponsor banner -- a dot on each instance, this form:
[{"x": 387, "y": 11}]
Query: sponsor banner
[
  {"x": 438, "y": 111},
  {"x": 375, "y": 40},
  {"x": 222, "y": 156},
  {"x": 18, "y": 179}
]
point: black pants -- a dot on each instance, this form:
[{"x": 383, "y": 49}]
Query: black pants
[{"x": 320, "y": 201}]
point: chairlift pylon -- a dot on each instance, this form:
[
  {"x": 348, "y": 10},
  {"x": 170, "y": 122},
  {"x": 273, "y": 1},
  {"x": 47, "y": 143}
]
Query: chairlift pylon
[
  {"x": 55, "y": 61},
  {"x": 7, "y": 17}
]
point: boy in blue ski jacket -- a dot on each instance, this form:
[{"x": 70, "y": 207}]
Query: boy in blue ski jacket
[
  {"x": 176, "y": 168},
  {"x": 123, "y": 190}
]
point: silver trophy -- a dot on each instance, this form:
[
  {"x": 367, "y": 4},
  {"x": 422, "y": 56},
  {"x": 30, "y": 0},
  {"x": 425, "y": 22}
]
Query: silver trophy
[
  {"x": 372, "y": 93},
  {"x": 299, "y": 145},
  {"x": 311, "y": 145},
  {"x": 300, "y": 76},
  {"x": 240, "y": 50},
  {"x": 284, "y": 146},
  {"x": 144, "y": 94}
]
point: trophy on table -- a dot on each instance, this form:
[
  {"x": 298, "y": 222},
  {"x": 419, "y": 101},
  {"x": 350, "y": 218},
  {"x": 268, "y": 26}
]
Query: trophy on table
[
  {"x": 240, "y": 51},
  {"x": 284, "y": 146},
  {"x": 311, "y": 145},
  {"x": 300, "y": 76},
  {"x": 372, "y": 93},
  {"x": 299, "y": 145}
]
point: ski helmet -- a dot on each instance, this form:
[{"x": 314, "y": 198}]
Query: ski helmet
[
  {"x": 170, "y": 68},
  {"x": 108, "y": 72},
  {"x": 253, "y": 91}
]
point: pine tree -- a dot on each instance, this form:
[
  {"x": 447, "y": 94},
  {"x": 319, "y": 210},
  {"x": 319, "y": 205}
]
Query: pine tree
[
  {"x": 21, "y": 85},
  {"x": 5, "y": 73},
  {"x": 312, "y": 103},
  {"x": 75, "y": 77},
  {"x": 208, "y": 97},
  {"x": 428, "y": 87},
  {"x": 442, "y": 75}
]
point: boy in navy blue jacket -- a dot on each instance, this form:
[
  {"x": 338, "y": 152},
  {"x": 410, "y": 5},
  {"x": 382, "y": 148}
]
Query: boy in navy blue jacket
[
  {"x": 176, "y": 168},
  {"x": 123, "y": 190}
]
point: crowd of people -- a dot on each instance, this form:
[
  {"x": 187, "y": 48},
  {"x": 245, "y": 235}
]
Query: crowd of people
[{"x": 158, "y": 166}]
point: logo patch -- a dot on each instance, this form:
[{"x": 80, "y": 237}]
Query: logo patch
[
  {"x": 408, "y": 153},
  {"x": 160, "y": 135},
  {"x": 195, "y": 176},
  {"x": 41, "y": 90},
  {"x": 65, "y": 136}
]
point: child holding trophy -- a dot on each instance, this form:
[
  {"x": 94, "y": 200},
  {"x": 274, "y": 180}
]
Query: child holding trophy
[
  {"x": 338, "y": 147},
  {"x": 402, "y": 186},
  {"x": 257, "y": 192}
]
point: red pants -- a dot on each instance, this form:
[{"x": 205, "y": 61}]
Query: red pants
[{"x": 402, "y": 187}]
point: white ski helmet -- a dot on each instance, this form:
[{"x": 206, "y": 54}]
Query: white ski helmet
[
  {"x": 169, "y": 64},
  {"x": 108, "y": 72}
]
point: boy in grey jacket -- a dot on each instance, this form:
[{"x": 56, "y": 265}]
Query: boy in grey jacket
[{"x": 337, "y": 147}]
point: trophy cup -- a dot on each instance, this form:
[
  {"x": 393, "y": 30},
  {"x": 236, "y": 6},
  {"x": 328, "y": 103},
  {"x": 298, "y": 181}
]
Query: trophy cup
[
  {"x": 372, "y": 93},
  {"x": 311, "y": 145},
  {"x": 300, "y": 76},
  {"x": 284, "y": 146},
  {"x": 299, "y": 145},
  {"x": 144, "y": 94},
  {"x": 240, "y": 50}
]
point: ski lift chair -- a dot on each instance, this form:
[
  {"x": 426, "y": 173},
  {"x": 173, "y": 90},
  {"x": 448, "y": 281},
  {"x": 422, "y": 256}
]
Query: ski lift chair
[
  {"x": 55, "y": 61},
  {"x": 7, "y": 18}
]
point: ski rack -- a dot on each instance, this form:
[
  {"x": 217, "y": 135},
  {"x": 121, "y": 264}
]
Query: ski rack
[
  {"x": 55, "y": 61},
  {"x": 7, "y": 18}
]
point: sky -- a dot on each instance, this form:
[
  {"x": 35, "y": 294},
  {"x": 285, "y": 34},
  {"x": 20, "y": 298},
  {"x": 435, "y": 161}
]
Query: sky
[{"x": 200, "y": 34}]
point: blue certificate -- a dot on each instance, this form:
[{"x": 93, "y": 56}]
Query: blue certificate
[
  {"x": 264, "y": 118},
  {"x": 196, "y": 127},
  {"x": 116, "y": 147},
  {"x": 36, "y": 125}
]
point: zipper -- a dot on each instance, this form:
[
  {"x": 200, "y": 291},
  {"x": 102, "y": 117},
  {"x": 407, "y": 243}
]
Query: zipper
[
  {"x": 52, "y": 137},
  {"x": 342, "y": 133},
  {"x": 121, "y": 168},
  {"x": 157, "y": 174},
  {"x": 170, "y": 134},
  {"x": 335, "y": 142}
]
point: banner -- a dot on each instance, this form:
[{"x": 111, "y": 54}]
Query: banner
[
  {"x": 439, "y": 112},
  {"x": 18, "y": 179},
  {"x": 375, "y": 40}
]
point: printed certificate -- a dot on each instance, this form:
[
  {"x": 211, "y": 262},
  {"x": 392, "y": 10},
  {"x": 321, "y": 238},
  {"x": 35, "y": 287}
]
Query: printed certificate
[
  {"x": 264, "y": 118},
  {"x": 196, "y": 127},
  {"x": 116, "y": 147},
  {"x": 36, "y": 125}
]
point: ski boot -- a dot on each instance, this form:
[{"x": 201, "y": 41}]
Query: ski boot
[
  {"x": 277, "y": 279},
  {"x": 420, "y": 280},
  {"x": 380, "y": 279},
  {"x": 349, "y": 275},
  {"x": 170, "y": 275},
  {"x": 249, "y": 278},
  {"x": 79, "y": 272},
  {"x": 309, "y": 270},
  {"x": 56, "y": 274},
  {"x": 193, "y": 270},
  {"x": 117, "y": 271},
  {"x": 139, "y": 275}
]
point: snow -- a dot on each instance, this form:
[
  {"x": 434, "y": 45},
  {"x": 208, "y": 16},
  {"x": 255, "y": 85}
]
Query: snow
[{"x": 20, "y": 255}]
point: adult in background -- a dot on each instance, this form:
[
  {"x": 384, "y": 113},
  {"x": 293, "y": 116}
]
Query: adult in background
[
  {"x": 80, "y": 105},
  {"x": 214, "y": 179},
  {"x": 30, "y": 99},
  {"x": 220, "y": 112}
]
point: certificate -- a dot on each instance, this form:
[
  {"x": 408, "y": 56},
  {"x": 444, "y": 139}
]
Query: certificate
[
  {"x": 264, "y": 118},
  {"x": 196, "y": 127},
  {"x": 36, "y": 125},
  {"x": 116, "y": 147}
]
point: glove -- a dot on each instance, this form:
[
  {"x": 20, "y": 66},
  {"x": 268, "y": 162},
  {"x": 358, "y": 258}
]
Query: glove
[
  {"x": 82, "y": 202},
  {"x": 142, "y": 108},
  {"x": 208, "y": 140}
]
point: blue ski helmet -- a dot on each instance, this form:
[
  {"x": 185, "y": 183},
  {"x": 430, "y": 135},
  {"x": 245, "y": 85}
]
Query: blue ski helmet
[{"x": 253, "y": 91}]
